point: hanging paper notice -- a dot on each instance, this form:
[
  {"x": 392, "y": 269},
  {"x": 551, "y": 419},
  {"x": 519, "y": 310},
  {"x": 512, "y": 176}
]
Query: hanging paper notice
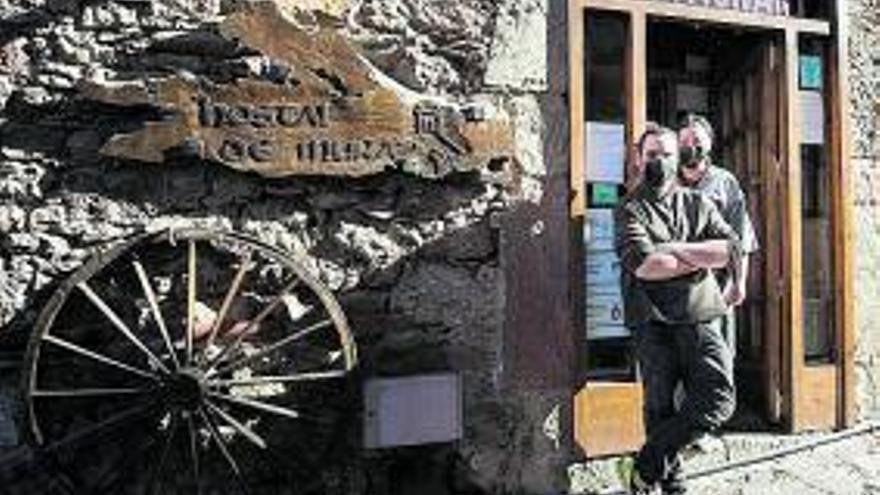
[
  {"x": 604, "y": 304},
  {"x": 603, "y": 272},
  {"x": 602, "y": 194},
  {"x": 599, "y": 230},
  {"x": 810, "y": 71},
  {"x": 813, "y": 114},
  {"x": 606, "y": 152},
  {"x": 605, "y": 317}
]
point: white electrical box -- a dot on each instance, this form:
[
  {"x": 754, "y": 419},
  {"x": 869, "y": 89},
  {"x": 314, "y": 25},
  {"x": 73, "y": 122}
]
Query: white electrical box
[{"x": 412, "y": 410}]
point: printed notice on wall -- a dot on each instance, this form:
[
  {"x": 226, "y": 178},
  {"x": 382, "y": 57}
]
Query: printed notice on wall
[
  {"x": 605, "y": 316},
  {"x": 606, "y": 152},
  {"x": 604, "y": 304},
  {"x": 813, "y": 114},
  {"x": 810, "y": 71},
  {"x": 603, "y": 271},
  {"x": 599, "y": 230}
]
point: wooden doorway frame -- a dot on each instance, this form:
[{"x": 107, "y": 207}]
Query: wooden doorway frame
[{"x": 804, "y": 387}]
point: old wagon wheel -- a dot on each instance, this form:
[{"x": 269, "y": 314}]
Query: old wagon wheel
[{"x": 186, "y": 362}]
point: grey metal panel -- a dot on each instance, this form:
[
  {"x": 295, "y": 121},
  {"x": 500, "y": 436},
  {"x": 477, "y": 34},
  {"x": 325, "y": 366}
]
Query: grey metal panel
[{"x": 412, "y": 410}]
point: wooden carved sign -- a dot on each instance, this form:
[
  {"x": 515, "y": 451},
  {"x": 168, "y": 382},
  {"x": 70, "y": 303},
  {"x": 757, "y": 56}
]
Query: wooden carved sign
[
  {"x": 330, "y": 117},
  {"x": 770, "y": 7}
]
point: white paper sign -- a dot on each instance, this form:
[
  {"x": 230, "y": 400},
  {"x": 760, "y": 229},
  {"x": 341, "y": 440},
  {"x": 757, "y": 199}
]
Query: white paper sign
[
  {"x": 605, "y": 317},
  {"x": 604, "y": 305},
  {"x": 603, "y": 272},
  {"x": 599, "y": 230},
  {"x": 606, "y": 152},
  {"x": 813, "y": 115}
]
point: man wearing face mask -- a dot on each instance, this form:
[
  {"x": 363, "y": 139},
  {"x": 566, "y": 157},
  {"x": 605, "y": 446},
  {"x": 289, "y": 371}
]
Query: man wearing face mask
[
  {"x": 697, "y": 171},
  {"x": 670, "y": 239}
]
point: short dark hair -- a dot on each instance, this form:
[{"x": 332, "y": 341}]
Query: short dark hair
[{"x": 653, "y": 129}]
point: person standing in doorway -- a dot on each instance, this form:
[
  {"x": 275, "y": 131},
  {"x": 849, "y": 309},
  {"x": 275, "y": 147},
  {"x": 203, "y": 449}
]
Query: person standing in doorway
[
  {"x": 699, "y": 172},
  {"x": 670, "y": 240}
]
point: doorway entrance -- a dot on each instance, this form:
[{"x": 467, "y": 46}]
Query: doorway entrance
[
  {"x": 730, "y": 77},
  {"x": 771, "y": 87}
]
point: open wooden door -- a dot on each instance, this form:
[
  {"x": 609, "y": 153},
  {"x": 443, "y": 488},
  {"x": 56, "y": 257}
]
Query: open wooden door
[
  {"x": 777, "y": 138},
  {"x": 750, "y": 142},
  {"x": 817, "y": 321}
]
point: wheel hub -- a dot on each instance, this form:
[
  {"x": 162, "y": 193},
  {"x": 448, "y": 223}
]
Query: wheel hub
[{"x": 185, "y": 388}]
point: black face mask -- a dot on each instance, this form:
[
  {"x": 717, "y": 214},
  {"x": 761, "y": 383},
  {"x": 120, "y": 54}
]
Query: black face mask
[
  {"x": 658, "y": 172},
  {"x": 691, "y": 156}
]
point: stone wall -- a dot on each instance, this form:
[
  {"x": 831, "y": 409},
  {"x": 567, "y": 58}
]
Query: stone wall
[
  {"x": 864, "y": 39},
  {"x": 415, "y": 262}
]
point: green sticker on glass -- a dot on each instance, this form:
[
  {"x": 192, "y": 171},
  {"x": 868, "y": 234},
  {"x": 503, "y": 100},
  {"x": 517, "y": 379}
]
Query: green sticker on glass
[
  {"x": 811, "y": 71},
  {"x": 604, "y": 194}
]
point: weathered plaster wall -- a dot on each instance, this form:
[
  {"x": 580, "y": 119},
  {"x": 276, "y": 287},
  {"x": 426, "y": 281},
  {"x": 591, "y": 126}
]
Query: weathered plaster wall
[
  {"x": 864, "y": 18},
  {"x": 416, "y": 263}
]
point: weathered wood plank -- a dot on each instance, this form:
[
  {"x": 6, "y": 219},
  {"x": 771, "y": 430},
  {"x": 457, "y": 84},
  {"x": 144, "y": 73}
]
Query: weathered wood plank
[{"x": 326, "y": 111}]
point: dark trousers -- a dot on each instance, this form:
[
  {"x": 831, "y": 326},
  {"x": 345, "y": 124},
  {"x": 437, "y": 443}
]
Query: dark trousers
[
  {"x": 728, "y": 329},
  {"x": 698, "y": 356}
]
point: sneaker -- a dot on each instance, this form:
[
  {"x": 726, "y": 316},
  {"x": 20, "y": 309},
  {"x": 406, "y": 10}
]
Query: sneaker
[
  {"x": 673, "y": 482},
  {"x": 630, "y": 478},
  {"x": 705, "y": 444},
  {"x": 673, "y": 488}
]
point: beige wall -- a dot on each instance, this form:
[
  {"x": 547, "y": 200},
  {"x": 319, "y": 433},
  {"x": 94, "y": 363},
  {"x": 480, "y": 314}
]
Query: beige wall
[{"x": 865, "y": 83}]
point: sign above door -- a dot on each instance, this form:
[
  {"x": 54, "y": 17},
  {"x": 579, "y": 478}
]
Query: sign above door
[
  {"x": 769, "y": 7},
  {"x": 312, "y": 104}
]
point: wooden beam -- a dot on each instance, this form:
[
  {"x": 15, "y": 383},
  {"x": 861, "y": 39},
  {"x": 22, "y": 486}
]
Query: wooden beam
[
  {"x": 842, "y": 217},
  {"x": 636, "y": 72},
  {"x": 712, "y": 15},
  {"x": 772, "y": 233},
  {"x": 577, "y": 92},
  {"x": 792, "y": 341},
  {"x": 577, "y": 180}
]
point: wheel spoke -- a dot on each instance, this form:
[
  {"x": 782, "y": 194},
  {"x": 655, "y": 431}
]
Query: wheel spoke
[
  {"x": 155, "y": 481},
  {"x": 87, "y": 392},
  {"x": 254, "y": 404},
  {"x": 119, "y": 324},
  {"x": 272, "y": 348},
  {"x": 194, "y": 453},
  {"x": 190, "y": 300},
  {"x": 154, "y": 307},
  {"x": 297, "y": 377},
  {"x": 279, "y": 298},
  {"x": 113, "y": 421},
  {"x": 215, "y": 435},
  {"x": 238, "y": 425},
  {"x": 230, "y": 296},
  {"x": 70, "y": 346}
]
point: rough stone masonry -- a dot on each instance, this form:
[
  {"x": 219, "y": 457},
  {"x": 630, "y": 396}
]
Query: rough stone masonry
[
  {"x": 414, "y": 262},
  {"x": 864, "y": 29}
]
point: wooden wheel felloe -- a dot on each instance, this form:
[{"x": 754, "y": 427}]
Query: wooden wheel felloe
[{"x": 189, "y": 361}]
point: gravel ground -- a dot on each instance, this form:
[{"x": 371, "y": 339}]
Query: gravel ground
[{"x": 845, "y": 467}]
